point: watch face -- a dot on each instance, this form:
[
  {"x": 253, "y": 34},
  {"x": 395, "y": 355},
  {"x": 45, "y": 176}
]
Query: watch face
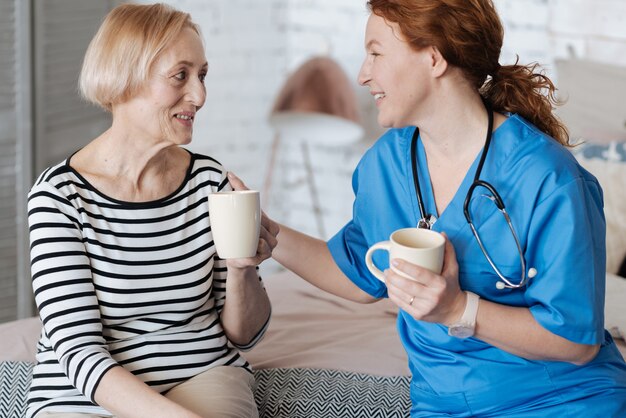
[{"x": 461, "y": 331}]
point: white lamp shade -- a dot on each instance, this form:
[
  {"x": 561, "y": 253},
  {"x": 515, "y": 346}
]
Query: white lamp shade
[{"x": 315, "y": 127}]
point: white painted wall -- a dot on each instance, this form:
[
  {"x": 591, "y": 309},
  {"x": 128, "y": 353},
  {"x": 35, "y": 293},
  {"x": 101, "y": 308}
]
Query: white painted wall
[
  {"x": 546, "y": 30},
  {"x": 253, "y": 45}
]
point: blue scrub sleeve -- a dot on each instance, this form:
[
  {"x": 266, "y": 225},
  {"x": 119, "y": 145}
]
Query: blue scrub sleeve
[
  {"x": 567, "y": 247},
  {"x": 349, "y": 245},
  {"x": 348, "y": 248}
]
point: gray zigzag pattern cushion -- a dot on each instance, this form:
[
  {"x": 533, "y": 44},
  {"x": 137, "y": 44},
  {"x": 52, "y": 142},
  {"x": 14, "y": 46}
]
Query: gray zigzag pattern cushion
[
  {"x": 314, "y": 393},
  {"x": 280, "y": 393},
  {"x": 15, "y": 377}
]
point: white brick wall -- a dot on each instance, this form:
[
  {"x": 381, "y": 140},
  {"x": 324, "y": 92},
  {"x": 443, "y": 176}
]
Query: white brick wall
[
  {"x": 547, "y": 30},
  {"x": 253, "y": 45}
]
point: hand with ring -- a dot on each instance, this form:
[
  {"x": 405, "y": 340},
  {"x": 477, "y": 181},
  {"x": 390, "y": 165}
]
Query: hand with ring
[{"x": 427, "y": 296}]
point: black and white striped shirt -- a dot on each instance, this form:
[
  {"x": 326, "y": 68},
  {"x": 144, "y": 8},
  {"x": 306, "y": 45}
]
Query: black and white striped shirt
[{"x": 118, "y": 283}]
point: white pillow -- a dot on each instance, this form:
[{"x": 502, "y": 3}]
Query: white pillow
[
  {"x": 615, "y": 305},
  {"x": 607, "y": 162}
]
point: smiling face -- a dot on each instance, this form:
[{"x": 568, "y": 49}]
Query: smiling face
[
  {"x": 397, "y": 75},
  {"x": 166, "y": 106}
]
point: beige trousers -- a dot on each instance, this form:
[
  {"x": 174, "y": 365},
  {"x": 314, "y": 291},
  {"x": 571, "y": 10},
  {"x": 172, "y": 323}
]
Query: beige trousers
[{"x": 223, "y": 391}]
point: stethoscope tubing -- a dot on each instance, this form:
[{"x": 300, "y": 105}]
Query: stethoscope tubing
[{"x": 426, "y": 221}]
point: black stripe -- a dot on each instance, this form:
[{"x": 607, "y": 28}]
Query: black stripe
[
  {"x": 140, "y": 205},
  {"x": 151, "y": 289},
  {"x": 90, "y": 372},
  {"x": 52, "y": 225},
  {"x": 178, "y": 366},
  {"x": 139, "y": 221},
  {"x": 60, "y": 387},
  {"x": 67, "y": 312},
  {"x": 49, "y": 195},
  {"x": 57, "y": 254},
  {"x": 182, "y": 272},
  {"x": 173, "y": 354},
  {"x": 52, "y": 331},
  {"x": 179, "y": 228},
  {"x": 52, "y": 240},
  {"x": 152, "y": 262},
  {"x": 141, "y": 314},
  {"x": 149, "y": 249},
  {"x": 127, "y": 305},
  {"x": 170, "y": 342},
  {"x": 64, "y": 298},
  {"x": 75, "y": 336},
  {"x": 53, "y": 285}
]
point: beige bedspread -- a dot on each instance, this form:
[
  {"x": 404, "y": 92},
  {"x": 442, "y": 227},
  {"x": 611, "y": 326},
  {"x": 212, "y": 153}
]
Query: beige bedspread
[{"x": 309, "y": 329}]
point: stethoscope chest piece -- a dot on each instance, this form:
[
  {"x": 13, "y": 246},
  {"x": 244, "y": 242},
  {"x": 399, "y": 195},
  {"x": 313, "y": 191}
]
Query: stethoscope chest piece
[{"x": 427, "y": 222}]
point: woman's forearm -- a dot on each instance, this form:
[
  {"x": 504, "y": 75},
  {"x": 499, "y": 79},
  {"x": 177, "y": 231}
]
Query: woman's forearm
[
  {"x": 124, "y": 395},
  {"x": 516, "y": 331},
  {"x": 310, "y": 259},
  {"x": 247, "y": 307}
]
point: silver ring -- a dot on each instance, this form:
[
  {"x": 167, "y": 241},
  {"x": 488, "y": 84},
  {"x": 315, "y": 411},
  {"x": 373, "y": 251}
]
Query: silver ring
[{"x": 411, "y": 301}]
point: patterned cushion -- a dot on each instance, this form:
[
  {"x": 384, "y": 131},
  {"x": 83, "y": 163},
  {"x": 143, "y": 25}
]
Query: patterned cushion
[
  {"x": 613, "y": 151},
  {"x": 608, "y": 163},
  {"x": 15, "y": 377},
  {"x": 280, "y": 393},
  {"x": 313, "y": 393}
]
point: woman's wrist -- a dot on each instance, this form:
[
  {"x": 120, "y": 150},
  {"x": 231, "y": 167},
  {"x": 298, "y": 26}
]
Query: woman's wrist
[
  {"x": 241, "y": 271},
  {"x": 458, "y": 309}
]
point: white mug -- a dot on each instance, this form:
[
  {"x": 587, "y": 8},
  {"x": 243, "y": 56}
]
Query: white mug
[
  {"x": 418, "y": 246},
  {"x": 235, "y": 218}
]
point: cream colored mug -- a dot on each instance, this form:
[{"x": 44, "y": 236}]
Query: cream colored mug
[
  {"x": 235, "y": 218},
  {"x": 418, "y": 246}
]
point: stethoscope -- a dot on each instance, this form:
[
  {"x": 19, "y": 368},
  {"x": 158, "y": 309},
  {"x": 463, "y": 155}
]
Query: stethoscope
[{"x": 427, "y": 220}]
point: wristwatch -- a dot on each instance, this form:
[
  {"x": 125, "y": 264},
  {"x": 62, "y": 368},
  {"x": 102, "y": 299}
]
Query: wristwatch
[{"x": 465, "y": 326}]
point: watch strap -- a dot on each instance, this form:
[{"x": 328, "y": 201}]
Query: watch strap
[
  {"x": 471, "y": 309},
  {"x": 466, "y": 325}
]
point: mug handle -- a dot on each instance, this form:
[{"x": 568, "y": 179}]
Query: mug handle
[{"x": 383, "y": 245}]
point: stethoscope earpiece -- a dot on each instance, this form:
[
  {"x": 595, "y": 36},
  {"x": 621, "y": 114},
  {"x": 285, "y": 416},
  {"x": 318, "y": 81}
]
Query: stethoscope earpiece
[{"x": 500, "y": 285}]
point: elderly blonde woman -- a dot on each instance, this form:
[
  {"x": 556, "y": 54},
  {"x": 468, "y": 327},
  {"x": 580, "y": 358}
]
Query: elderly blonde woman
[{"x": 140, "y": 317}]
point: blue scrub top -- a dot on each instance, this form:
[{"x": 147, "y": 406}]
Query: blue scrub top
[{"x": 556, "y": 209}]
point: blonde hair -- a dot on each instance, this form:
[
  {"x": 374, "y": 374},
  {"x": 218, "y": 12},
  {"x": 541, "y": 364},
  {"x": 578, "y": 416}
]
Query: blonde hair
[{"x": 119, "y": 57}]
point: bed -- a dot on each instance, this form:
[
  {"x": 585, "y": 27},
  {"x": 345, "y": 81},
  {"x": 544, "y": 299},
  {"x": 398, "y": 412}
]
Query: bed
[{"x": 321, "y": 356}]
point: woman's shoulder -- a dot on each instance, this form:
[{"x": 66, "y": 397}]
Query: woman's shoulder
[
  {"x": 205, "y": 163},
  {"x": 540, "y": 158},
  {"x": 54, "y": 176},
  {"x": 57, "y": 186},
  {"x": 206, "y": 170},
  {"x": 537, "y": 150},
  {"x": 204, "y": 159},
  {"x": 394, "y": 143},
  {"x": 394, "y": 137}
]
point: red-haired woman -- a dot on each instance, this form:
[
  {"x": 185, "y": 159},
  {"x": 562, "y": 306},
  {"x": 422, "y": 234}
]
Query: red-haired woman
[{"x": 513, "y": 326}]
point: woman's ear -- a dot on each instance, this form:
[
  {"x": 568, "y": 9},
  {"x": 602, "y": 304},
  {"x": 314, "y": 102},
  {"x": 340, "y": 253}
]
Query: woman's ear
[{"x": 439, "y": 65}]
